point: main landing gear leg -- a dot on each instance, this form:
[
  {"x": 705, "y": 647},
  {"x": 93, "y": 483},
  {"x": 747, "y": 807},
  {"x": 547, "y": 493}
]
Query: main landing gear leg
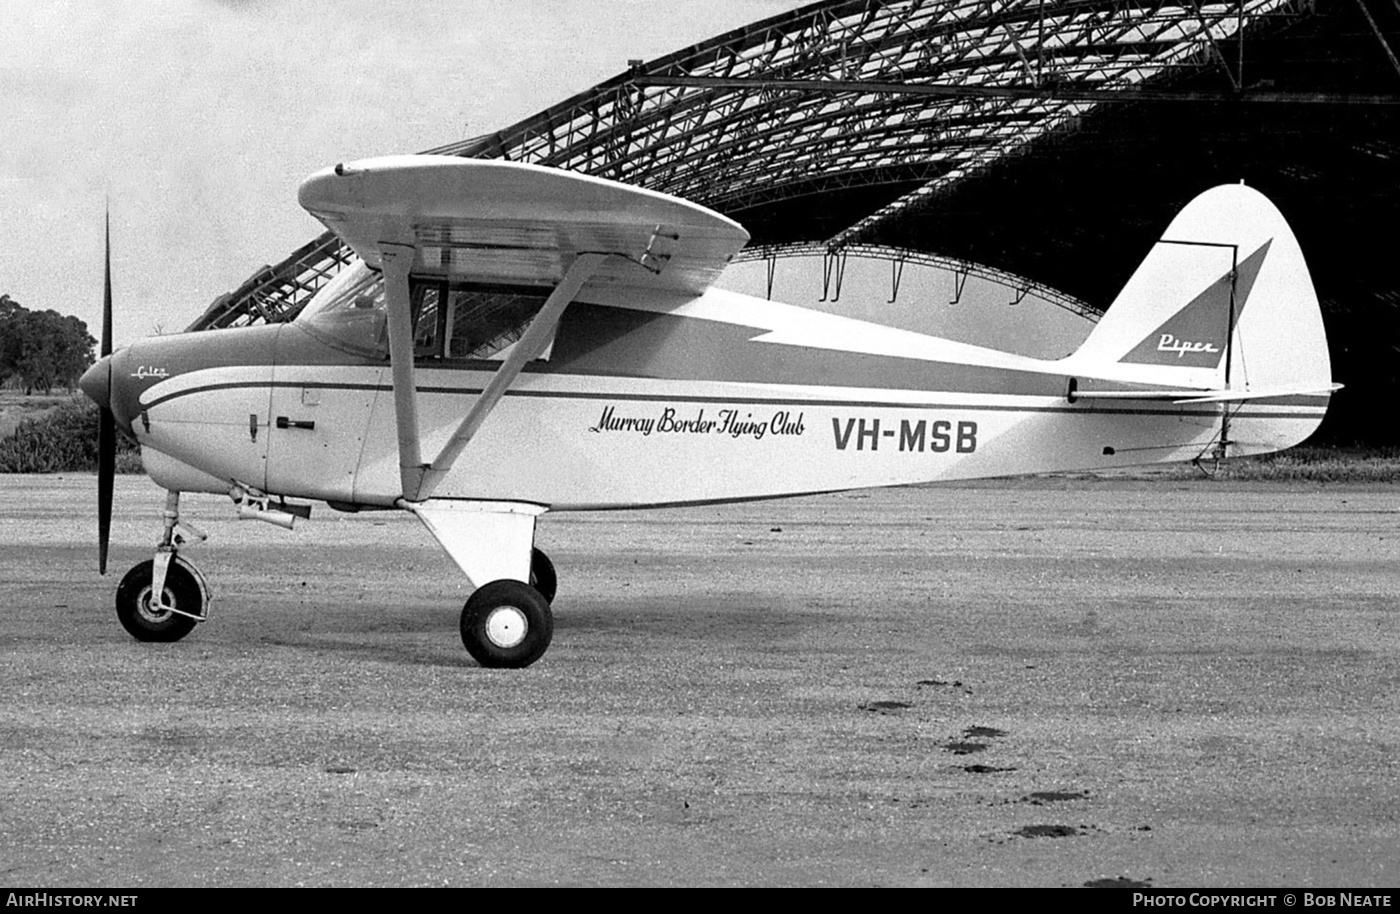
[
  {"x": 162, "y": 599},
  {"x": 507, "y": 622}
]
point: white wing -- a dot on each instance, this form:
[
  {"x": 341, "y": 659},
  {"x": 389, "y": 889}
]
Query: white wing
[{"x": 506, "y": 222}]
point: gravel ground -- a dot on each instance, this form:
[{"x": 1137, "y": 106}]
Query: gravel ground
[{"x": 1041, "y": 682}]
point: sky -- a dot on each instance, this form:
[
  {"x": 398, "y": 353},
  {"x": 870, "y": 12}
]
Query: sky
[{"x": 195, "y": 121}]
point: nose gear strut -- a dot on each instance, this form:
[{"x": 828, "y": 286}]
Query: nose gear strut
[{"x": 162, "y": 599}]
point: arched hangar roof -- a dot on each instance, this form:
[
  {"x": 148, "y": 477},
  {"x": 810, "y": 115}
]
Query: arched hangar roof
[{"x": 1050, "y": 139}]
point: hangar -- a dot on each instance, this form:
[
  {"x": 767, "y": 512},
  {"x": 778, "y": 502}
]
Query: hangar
[{"x": 1042, "y": 144}]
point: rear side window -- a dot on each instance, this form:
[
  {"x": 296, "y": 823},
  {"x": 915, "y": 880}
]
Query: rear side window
[{"x": 463, "y": 321}]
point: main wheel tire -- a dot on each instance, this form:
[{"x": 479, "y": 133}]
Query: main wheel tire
[
  {"x": 507, "y": 624},
  {"x": 542, "y": 576},
  {"x": 146, "y": 623}
]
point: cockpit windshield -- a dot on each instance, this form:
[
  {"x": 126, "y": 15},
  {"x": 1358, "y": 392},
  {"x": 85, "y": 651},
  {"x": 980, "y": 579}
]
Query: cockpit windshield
[
  {"x": 451, "y": 320},
  {"x": 350, "y": 309}
]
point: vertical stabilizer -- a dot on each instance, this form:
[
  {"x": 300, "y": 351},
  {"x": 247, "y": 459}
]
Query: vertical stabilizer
[{"x": 1223, "y": 302}]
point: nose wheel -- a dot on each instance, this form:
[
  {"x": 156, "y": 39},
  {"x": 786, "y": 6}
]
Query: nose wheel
[
  {"x": 507, "y": 624},
  {"x": 168, "y": 616}
]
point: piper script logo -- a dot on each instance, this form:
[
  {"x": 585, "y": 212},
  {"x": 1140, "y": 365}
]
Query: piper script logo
[
  {"x": 1169, "y": 343},
  {"x": 1194, "y": 337}
]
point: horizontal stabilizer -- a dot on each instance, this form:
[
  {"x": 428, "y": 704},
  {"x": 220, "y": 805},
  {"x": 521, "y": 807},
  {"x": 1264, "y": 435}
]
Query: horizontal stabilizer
[
  {"x": 1208, "y": 396},
  {"x": 1276, "y": 393}
]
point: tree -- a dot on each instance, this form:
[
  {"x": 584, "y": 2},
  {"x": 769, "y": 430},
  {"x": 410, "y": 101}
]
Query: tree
[
  {"x": 43, "y": 348},
  {"x": 9, "y": 337}
]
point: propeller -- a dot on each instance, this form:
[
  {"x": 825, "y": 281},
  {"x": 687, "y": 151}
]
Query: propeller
[{"x": 107, "y": 423}]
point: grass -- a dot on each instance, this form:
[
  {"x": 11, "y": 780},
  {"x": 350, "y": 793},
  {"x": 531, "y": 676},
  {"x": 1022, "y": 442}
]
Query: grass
[
  {"x": 61, "y": 438},
  {"x": 1316, "y": 464},
  {"x": 1306, "y": 463},
  {"x": 15, "y": 407}
]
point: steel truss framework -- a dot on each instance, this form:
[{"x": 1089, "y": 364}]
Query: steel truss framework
[{"x": 831, "y": 124}]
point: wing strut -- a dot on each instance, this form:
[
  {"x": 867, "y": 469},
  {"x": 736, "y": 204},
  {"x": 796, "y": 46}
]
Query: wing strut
[
  {"x": 419, "y": 479},
  {"x": 398, "y": 263}
]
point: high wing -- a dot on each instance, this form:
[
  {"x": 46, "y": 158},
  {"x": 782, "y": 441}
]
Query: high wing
[{"x": 510, "y": 223}]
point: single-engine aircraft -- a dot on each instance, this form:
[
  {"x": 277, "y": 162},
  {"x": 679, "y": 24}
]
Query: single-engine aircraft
[{"x": 517, "y": 339}]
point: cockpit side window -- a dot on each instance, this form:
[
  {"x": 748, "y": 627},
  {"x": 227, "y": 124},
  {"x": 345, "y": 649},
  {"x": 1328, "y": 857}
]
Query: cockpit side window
[
  {"x": 458, "y": 321},
  {"x": 452, "y": 321},
  {"x": 429, "y": 316}
]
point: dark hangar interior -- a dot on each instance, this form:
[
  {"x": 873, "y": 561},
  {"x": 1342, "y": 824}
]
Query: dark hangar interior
[{"x": 1051, "y": 140}]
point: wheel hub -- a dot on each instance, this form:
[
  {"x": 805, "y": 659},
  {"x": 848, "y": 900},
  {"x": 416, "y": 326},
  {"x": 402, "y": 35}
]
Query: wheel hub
[
  {"x": 146, "y": 608},
  {"x": 506, "y": 626}
]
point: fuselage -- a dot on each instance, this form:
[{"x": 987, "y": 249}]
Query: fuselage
[{"x": 646, "y": 400}]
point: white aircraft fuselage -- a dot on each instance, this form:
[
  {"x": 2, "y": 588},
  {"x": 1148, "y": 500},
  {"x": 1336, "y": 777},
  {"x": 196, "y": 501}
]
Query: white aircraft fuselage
[{"x": 721, "y": 398}]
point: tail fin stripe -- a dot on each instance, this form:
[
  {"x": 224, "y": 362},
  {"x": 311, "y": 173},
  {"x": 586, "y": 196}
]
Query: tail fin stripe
[{"x": 1195, "y": 337}]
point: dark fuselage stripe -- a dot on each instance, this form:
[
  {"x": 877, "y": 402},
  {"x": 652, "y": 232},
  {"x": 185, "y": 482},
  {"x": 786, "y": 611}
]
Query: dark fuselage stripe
[{"x": 1164, "y": 409}]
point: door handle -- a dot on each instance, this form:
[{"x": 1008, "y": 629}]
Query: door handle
[{"x": 284, "y": 422}]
